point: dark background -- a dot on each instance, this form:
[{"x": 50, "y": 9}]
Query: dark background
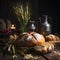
[{"x": 38, "y": 8}]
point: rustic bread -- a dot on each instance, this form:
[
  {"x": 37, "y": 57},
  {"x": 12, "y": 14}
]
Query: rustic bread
[
  {"x": 52, "y": 37},
  {"x": 30, "y": 39}
]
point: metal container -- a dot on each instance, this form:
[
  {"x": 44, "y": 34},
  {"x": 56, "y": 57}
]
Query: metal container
[{"x": 45, "y": 27}]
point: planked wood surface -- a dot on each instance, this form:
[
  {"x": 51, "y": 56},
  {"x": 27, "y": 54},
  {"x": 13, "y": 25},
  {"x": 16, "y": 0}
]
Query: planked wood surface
[{"x": 54, "y": 55}]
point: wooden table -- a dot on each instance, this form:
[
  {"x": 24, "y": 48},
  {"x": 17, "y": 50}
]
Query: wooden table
[{"x": 54, "y": 55}]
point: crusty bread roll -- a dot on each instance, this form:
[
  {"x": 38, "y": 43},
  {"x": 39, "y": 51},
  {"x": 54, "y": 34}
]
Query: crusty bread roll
[
  {"x": 30, "y": 39},
  {"x": 52, "y": 37},
  {"x": 45, "y": 48}
]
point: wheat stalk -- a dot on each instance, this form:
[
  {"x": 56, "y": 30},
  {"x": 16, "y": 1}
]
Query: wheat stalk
[{"x": 23, "y": 15}]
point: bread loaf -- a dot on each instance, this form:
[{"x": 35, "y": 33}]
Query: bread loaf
[
  {"x": 52, "y": 37},
  {"x": 30, "y": 39}
]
